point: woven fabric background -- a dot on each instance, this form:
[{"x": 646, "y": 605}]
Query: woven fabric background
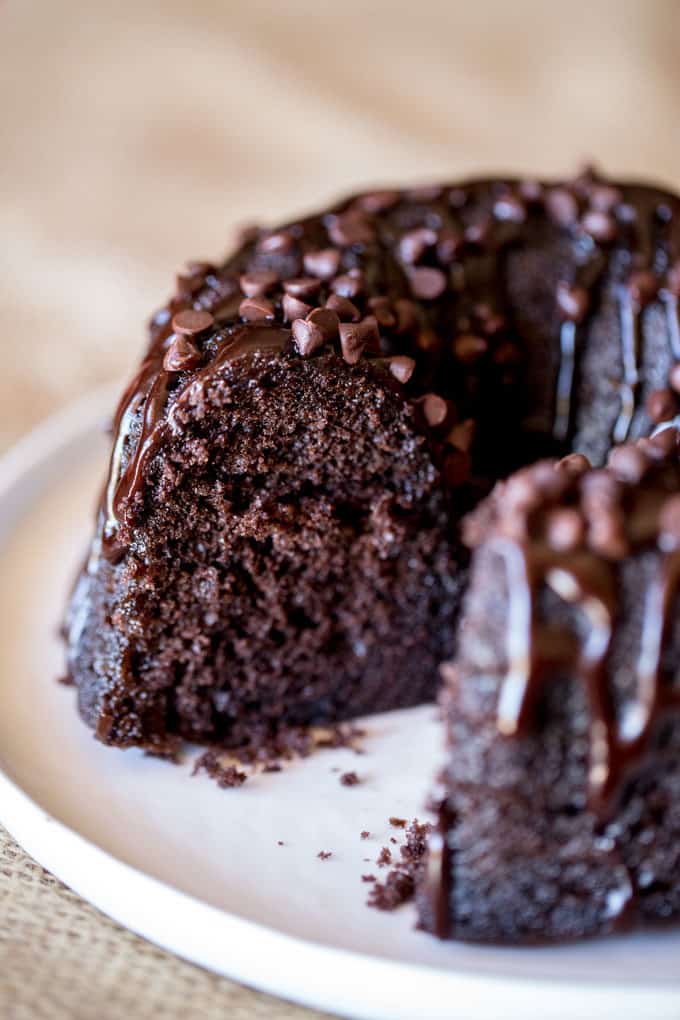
[{"x": 136, "y": 134}]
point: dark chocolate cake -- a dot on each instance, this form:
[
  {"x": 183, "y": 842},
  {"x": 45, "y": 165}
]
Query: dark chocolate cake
[
  {"x": 559, "y": 811},
  {"x": 278, "y": 542}
]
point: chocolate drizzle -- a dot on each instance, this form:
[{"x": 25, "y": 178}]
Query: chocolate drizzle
[
  {"x": 630, "y": 353},
  {"x": 587, "y": 578},
  {"x": 150, "y": 389}
]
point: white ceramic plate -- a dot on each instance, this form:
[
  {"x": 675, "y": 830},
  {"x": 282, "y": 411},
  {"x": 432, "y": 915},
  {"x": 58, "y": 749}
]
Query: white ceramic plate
[{"x": 198, "y": 870}]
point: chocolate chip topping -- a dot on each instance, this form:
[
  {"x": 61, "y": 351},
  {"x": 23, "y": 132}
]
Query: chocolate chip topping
[
  {"x": 323, "y": 264},
  {"x": 600, "y": 225},
  {"x": 350, "y": 228},
  {"x": 427, "y": 283},
  {"x": 402, "y": 367},
  {"x": 562, "y": 206},
  {"x": 256, "y": 284},
  {"x": 468, "y": 348},
  {"x": 355, "y": 337},
  {"x": 181, "y": 355},
  {"x": 326, "y": 320},
  {"x": 381, "y": 307},
  {"x": 275, "y": 243},
  {"x": 413, "y": 245},
  {"x": 256, "y": 309},
  {"x": 343, "y": 308},
  {"x": 435, "y": 409},
  {"x": 294, "y": 308},
  {"x": 510, "y": 207},
  {"x": 192, "y": 322},
  {"x": 308, "y": 336},
  {"x": 302, "y": 286},
  {"x": 378, "y": 201},
  {"x": 349, "y": 285}
]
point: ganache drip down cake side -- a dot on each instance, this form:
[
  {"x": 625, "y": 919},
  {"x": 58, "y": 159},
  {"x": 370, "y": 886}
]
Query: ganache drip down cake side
[{"x": 279, "y": 539}]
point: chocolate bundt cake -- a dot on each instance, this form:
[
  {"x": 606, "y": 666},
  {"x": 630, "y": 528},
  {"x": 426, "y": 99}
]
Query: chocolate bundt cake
[
  {"x": 559, "y": 813},
  {"x": 278, "y": 542}
]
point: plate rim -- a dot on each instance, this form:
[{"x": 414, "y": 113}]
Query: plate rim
[{"x": 91, "y": 872}]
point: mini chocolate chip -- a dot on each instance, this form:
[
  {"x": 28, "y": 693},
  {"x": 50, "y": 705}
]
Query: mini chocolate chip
[
  {"x": 255, "y": 309},
  {"x": 427, "y": 283},
  {"x": 343, "y": 308},
  {"x": 435, "y": 409},
  {"x": 414, "y": 243},
  {"x": 600, "y": 488},
  {"x": 674, "y": 377},
  {"x": 294, "y": 308},
  {"x": 600, "y": 225},
  {"x": 307, "y": 336},
  {"x": 469, "y": 348},
  {"x": 356, "y": 336},
  {"x": 462, "y": 435},
  {"x": 428, "y": 340},
  {"x": 349, "y": 228},
  {"x": 510, "y": 207},
  {"x": 279, "y": 241},
  {"x": 192, "y": 321},
  {"x": 302, "y": 286},
  {"x": 669, "y": 519},
  {"x": 425, "y": 193},
  {"x": 189, "y": 282},
  {"x": 257, "y": 284},
  {"x": 457, "y": 197},
  {"x": 564, "y": 529},
  {"x": 607, "y": 536},
  {"x": 574, "y": 464},
  {"x": 604, "y": 197},
  {"x": 531, "y": 191},
  {"x": 327, "y": 321},
  {"x": 181, "y": 355},
  {"x": 449, "y": 245},
  {"x": 407, "y": 315},
  {"x": 562, "y": 206},
  {"x": 643, "y": 287},
  {"x": 199, "y": 267},
  {"x": 627, "y": 462},
  {"x": 348, "y": 285},
  {"x": 323, "y": 264},
  {"x": 521, "y": 492},
  {"x": 383, "y": 311},
  {"x": 478, "y": 233},
  {"x": 378, "y": 201},
  {"x": 402, "y": 367},
  {"x": 572, "y": 301},
  {"x": 661, "y": 405}
]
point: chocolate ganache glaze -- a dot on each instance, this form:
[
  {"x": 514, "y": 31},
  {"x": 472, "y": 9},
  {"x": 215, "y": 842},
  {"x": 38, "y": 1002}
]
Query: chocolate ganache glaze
[{"x": 279, "y": 538}]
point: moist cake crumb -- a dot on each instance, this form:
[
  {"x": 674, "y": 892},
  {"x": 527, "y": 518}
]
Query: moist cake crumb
[
  {"x": 384, "y": 857},
  {"x": 225, "y": 776},
  {"x": 323, "y": 855},
  {"x": 400, "y": 882}
]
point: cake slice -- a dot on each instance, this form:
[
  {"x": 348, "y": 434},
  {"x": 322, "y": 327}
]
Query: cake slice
[{"x": 559, "y": 809}]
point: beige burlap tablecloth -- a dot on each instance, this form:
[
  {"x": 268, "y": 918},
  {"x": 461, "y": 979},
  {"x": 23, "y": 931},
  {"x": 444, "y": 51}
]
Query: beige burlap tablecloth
[{"x": 138, "y": 133}]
